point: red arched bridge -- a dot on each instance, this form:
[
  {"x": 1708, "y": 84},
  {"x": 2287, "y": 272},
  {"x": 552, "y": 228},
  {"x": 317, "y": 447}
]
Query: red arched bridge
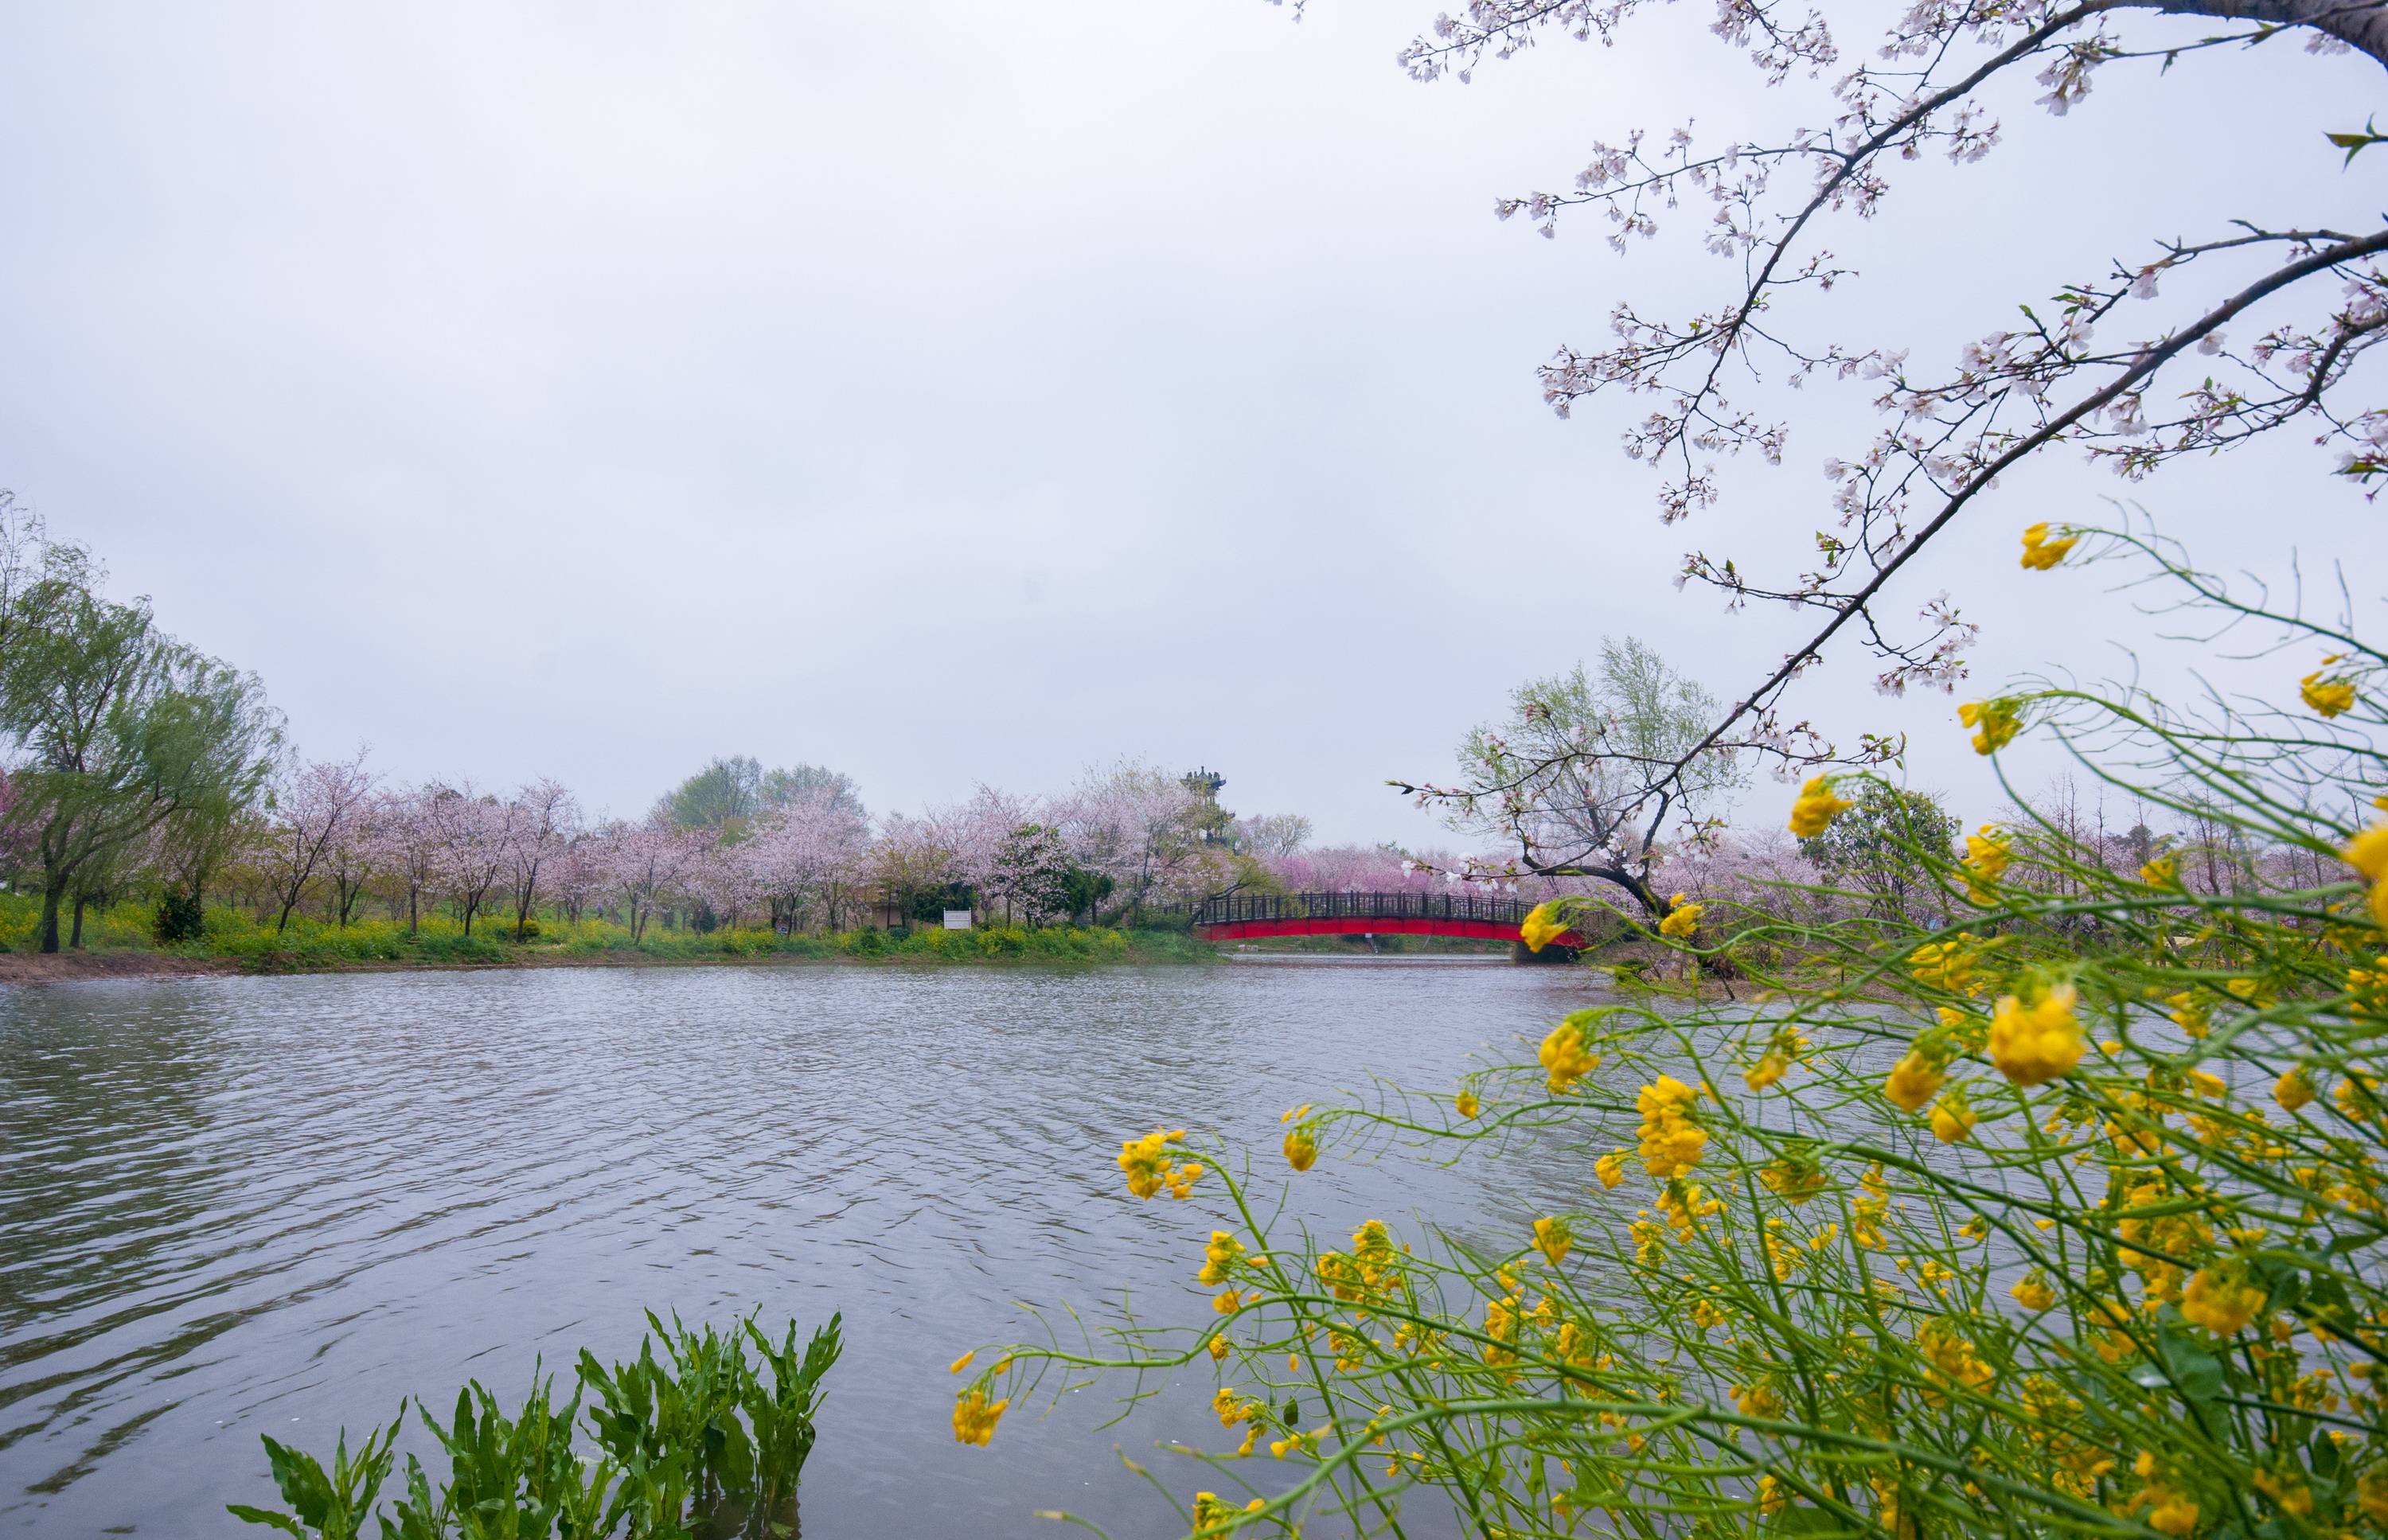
[{"x": 1479, "y": 917}]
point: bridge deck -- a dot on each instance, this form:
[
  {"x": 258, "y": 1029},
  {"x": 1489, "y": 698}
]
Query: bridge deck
[{"x": 1470, "y": 915}]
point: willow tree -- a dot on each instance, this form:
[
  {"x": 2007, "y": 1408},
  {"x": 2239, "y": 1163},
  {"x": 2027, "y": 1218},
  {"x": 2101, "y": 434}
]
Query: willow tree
[
  {"x": 126, "y": 733},
  {"x": 1592, "y": 766}
]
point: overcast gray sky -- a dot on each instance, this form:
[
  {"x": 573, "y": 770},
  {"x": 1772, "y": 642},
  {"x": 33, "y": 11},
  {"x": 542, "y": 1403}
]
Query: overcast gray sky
[{"x": 954, "y": 392}]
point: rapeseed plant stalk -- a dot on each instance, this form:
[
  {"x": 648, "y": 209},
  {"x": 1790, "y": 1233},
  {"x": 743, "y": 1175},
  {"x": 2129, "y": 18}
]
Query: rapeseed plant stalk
[{"x": 2067, "y": 1218}]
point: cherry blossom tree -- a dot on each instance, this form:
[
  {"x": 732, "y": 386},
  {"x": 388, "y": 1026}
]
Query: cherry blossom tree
[
  {"x": 411, "y": 846},
  {"x": 2197, "y": 343},
  {"x": 315, "y": 806},
  {"x": 358, "y": 853},
  {"x": 647, "y": 862},
  {"x": 1361, "y": 869},
  {"x": 474, "y": 845},
  {"x": 975, "y": 833},
  {"x": 540, "y": 821},
  {"x": 806, "y": 856},
  {"x": 1029, "y": 874},
  {"x": 578, "y": 874},
  {"x": 1140, "y": 827}
]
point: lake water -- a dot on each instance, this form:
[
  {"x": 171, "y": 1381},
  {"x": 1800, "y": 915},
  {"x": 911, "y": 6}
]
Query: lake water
[{"x": 235, "y": 1206}]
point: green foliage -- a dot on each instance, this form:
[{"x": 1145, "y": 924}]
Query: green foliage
[
  {"x": 1884, "y": 844},
  {"x": 126, "y": 733},
  {"x": 329, "y": 1505},
  {"x": 928, "y": 906},
  {"x": 180, "y": 919},
  {"x": 728, "y": 793},
  {"x": 1081, "y": 892},
  {"x": 509, "y": 1478},
  {"x": 721, "y": 796},
  {"x": 705, "y": 1439}
]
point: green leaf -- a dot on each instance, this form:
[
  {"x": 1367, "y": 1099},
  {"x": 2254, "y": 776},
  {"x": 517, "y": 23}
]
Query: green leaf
[{"x": 2356, "y": 144}]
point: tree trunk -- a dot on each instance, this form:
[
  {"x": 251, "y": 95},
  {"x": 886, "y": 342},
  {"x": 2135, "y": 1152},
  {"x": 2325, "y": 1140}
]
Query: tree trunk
[
  {"x": 75, "y": 942},
  {"x": 51, "y": 893}
]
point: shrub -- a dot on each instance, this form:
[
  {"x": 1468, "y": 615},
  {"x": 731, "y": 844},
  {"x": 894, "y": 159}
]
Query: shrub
[
  {"x": 2067, "y": 1218},
  {"x": 181, "y": 918}
]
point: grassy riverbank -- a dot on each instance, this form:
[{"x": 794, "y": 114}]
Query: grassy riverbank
[{"x": 117, "y": 940}]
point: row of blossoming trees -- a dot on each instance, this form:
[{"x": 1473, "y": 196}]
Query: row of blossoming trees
[{"x": 332, "y": 841}]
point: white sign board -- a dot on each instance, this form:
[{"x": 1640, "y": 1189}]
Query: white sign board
[{"x": 957, "y": 919}]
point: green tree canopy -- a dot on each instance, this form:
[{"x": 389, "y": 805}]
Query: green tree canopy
[
  {"x": 1883, "y": 845},
  {"x": 1592, "y": 766},
  {"x": 128, "y": 735}
]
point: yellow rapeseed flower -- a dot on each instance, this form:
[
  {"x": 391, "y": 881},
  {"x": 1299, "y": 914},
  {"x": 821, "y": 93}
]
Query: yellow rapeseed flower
[
  {"x": 1219, "y": 1254},
  {"x": 975, "y": 1417},
  {"x": 2293, "y": 1090},
  {"x": 1565, "y": 1057},
  {"x": 1611, "y": 1168},
  {"x": 1987, "y": 856},
  {"x": 964, "y": 1362},
  {"x": 2039, "y": 553},
  {"x": 2171, "y": 1513},
  {"x": 1816, "y": 807},
  {"x": 1682, "y": 918},
  {"x": 2032, "y": 1044},
  {"x": 1552, "y": 1239},
  {"x": 1301, "y": 1150},
  {"x": 2222, "y": 1301},
  {"x": 1466, "y": 1104},
  {"x": 1948, "y": 964},
  {"x": 1542, "y": 926},
  {"x": 2162, "y": 872},
  {"x": 1995, "y": 722},
  {"x": 2368, "y": 853},
  {"x": 1912, "y": 1080},
  {"x": 1952, "y": 1119},
  {"x": 2329, "y": 697},
  {"x": 1672, "y": 1143},
  {"x": 1146, "y": 1162},
  {"x": 2371, "y": 1495},
  {"x": 2033, "y": 1291}
]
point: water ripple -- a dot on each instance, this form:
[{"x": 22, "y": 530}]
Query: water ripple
[{"x": 235, "y": 1206}]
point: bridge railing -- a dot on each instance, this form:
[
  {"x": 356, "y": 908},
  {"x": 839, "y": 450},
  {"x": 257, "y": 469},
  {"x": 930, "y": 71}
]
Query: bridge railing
[{"x": 1357, "y": 907}]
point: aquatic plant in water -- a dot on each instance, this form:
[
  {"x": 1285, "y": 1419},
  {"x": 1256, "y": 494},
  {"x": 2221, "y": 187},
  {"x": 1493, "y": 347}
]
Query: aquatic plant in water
[{"x": 704, "y": 1441}]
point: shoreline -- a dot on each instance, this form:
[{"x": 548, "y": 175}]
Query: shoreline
[
  {"x": 81, "y": 967},
  {"x": 78, "y": 968}
]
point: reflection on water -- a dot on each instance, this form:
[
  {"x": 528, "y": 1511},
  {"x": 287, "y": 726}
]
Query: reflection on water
[{"x": 240, "y": 1206}]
